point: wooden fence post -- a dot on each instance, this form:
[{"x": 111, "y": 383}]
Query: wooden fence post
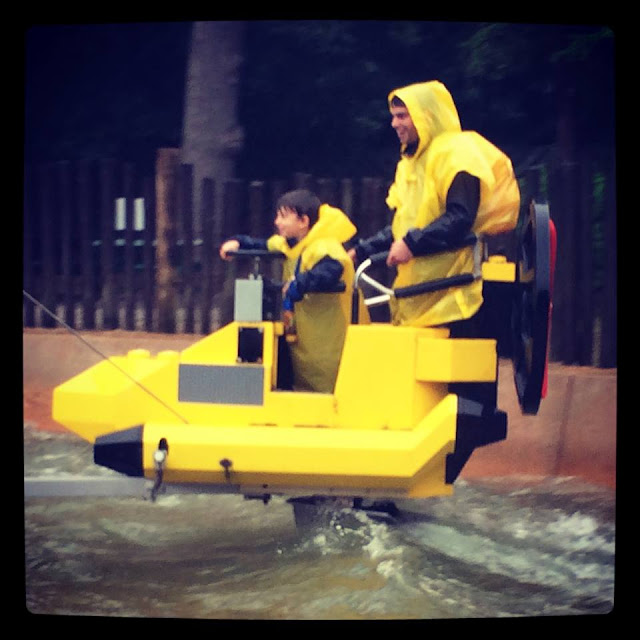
[
  {"x": 129, "y": 248},
  {"x": 66, "y": 232},
  {"x": 219, "y": 267},
  {"x": 259, "y": 213},
  {"x": 233, "y": 222},
  {"x": 47, "y": 239},
  {"x": 209, "y": 251},
  {"x": 29, "y": 229},
  {"x": 148, "y": 252},
  {"x": 303, "y": 181},
  {"x": 107, "y": 198},
  {"x": 185, "y": 213},
  {"x": 86, "y": 240},
  {"x": 610, "y": 298},
  {"x": 166, "y": 167},
  {"x": 562, "y": 200},
  {"x": 327, "y": 192},
  {"x": 372, "y": 216},
  {"x": 346, "y": 197},
  {"x": 584, "y": 300}
]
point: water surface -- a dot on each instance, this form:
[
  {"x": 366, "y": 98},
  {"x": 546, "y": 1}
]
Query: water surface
[{"x": 504, "y": 547}]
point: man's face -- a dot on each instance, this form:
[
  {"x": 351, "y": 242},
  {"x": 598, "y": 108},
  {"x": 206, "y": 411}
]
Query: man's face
[
  {"x": 403, "y": 125},
  {"x": 290, "y": 225}
]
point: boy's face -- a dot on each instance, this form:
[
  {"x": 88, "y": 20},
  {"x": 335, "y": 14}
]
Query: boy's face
[
  {"x": 290, "y": 225},
  {"x": 403, "y": 125}
]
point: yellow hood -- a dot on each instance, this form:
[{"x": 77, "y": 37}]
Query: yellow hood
[
  {"x": 431, "y": 108},
  {"x": 332, "y": 224}
]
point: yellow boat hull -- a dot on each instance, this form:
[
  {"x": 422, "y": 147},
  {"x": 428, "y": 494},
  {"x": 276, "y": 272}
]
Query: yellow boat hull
[{"x": 389, "y": 429}]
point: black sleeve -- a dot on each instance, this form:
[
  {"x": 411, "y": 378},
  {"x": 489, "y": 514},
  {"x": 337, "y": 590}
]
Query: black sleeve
[
  {"x": 250, "y": 244},
  {"x": 463, "y": 199},
  {"x": 377, "y": 243},
  {"x": 324, "y": 276}
]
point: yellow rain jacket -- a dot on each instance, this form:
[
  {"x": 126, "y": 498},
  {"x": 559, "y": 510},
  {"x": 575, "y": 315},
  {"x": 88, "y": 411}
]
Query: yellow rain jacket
[
  {"x": 321, "y": 318},
  {"x": 418, "y": 195}
]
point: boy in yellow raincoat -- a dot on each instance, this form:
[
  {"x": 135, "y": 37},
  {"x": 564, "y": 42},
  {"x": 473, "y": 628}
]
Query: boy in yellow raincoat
[
  {"x": 448, "y": 183},
  {"x": 311, "y": 235}
]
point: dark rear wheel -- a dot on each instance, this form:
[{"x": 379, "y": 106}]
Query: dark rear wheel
[{"x": 531, "y": 304}]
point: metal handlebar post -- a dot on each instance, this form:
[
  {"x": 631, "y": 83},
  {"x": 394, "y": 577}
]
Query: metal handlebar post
[
  {"x": 479, "y": 254},
  {"x": 361, "y": 275},
  {"x": 256, "y": 254}
]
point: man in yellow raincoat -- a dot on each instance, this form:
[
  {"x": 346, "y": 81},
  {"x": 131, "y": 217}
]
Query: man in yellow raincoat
[
  {"x": 311, "y": 235},
  {"x": 448, "y": 183}
]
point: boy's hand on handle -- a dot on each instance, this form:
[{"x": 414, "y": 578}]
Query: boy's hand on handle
[{"x": 229, "y": 245}]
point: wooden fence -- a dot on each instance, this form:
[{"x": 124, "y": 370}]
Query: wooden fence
[{"x": 105, "y": 248}]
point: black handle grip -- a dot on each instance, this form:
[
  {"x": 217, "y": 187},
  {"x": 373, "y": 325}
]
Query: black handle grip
[
  {"x": 376, "y": 258},
  {"x": 433, "y": 285},
  {"x": 255, "y": 253}
]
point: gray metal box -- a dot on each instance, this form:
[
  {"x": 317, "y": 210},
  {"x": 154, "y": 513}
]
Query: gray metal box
[{"x": 248, "y": 300}]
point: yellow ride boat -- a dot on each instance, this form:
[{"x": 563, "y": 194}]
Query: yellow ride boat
[{"x": 409, "y": 407}]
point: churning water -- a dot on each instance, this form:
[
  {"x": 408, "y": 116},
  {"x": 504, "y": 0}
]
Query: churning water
[{"x": 502, "y": 547}]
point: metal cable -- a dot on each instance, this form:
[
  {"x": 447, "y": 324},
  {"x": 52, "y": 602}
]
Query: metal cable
[{"x": 102, "y": 355}]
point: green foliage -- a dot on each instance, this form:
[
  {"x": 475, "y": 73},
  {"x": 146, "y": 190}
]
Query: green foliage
[
  {"x": 99, "y": 90},
  {"x": 313, "y": 92}
]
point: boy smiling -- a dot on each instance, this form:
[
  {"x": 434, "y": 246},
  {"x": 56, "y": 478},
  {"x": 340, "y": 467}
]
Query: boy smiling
[{"x": 311, "y": 235}]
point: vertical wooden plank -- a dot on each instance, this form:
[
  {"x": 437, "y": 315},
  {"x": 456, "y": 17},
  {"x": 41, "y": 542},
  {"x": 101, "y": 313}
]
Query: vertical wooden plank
[
  {"x": 610, "y": 293},
  {"x": 346, "y": 201},
  {"x": 47, "y": 239},
  {"x": 148, "y": 236},
  {"x": 556, "y": 209},
  {"x": 129, "y": 279},
  {"x": 107, "y": 199},
  {"x": 261, "y": 217},
  {"x": 277, "y": 188},
  {"x": 373, "y": 215},
  {"x": 166, "y": 170},
  {"x": 209, "y": 251},
  {"x": 233, "y": 222},
  {"x": 572, "y": 270},
  {"x": 563, "y": 203},
  {"x": 87, "y": 265},
  {"x": 327, "y": 192},
  {"x": 219, "y": 267},
  {"x": 63, "y": 175},
  {"x": 28, "y": 234},
  {"x": 530, "y": 187},
  {"x": 258, "y": 211},
  {"x": 303, "y": 181},
  {"x": 584, "y": 263},
  {"x": 365, "y": 224},
  {"x": 186, "y": 213},
  {"x": 530, "y": 191}
]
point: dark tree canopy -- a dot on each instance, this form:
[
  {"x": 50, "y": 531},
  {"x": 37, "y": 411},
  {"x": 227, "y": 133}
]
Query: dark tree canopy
[{"x": 313, "y": 93}]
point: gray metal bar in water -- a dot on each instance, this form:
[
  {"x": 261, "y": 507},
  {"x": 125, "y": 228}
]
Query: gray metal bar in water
[{"x": 96, "y": 486}]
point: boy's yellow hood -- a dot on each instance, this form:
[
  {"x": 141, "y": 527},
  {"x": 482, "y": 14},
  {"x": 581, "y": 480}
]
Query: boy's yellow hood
[
  {"x": 332, "y": 223},
  {"x": 431, "y": 108}
]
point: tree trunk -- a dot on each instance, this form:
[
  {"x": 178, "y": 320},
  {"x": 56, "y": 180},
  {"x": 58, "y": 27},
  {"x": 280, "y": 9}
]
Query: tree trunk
[{"x": 212, "y": 137}]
